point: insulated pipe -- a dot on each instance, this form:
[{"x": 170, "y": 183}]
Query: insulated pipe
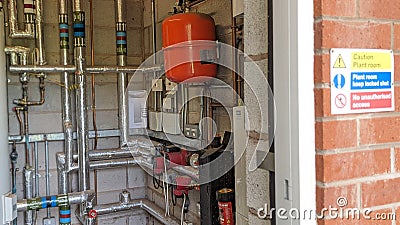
[
  {"x": 65, "y": 98},
  {"x": 28, "y": 188},
  {"x": 29, "y": 15},
  {"x": 109, "y": 154},
  {"x": 143, "y": 204},
  {"x": 13, "y": 21},
  {"x": 5, "y": 175},
  {"x": 89, "y": 69},
  {"x": 35, "y": 147},
  {"x": 113, "y": 163},
  {"x": 81, "y": 96},
  {"x": 54, "y": 201},
  {"x": 120, "y": 20},
  {"x": 62, "y": 173},
  {"x": 47, "y": 162},
  {"x": 40, "y": 57}
]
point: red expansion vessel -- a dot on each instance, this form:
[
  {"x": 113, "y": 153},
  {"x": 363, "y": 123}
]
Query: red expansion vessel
[{"x": 189, "y": 47}]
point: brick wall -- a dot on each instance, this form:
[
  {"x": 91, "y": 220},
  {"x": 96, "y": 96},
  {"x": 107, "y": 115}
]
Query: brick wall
[{"x": 357, "y": 156}]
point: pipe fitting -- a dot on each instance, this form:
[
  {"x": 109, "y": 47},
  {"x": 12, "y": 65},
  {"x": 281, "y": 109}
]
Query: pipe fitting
[
  {"x": 60, "y": 160},
  {"x": 18, "y": 54},
  {"x": 125, "y": 197},
  {"x": 17, "y": 49},
  {"x": 13, "y": 22}
]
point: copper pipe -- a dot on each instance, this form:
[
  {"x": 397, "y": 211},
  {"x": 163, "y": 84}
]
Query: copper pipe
[
  {"x": 19, "y": 118},
  {"x": 24, "y": 101}
]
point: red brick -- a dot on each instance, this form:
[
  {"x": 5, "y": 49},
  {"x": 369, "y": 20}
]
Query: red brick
[
  {"x": 318, "y": 35},
  {"x": 397, "y": 160},
  {"x": 335, "y": 134},
  {"x": 397, "y": 65},
  {"x": 322, "y": 68},
  {"x": 317, "y": 8},
  {"x": 346, "y": 166},
  {"x": 322, "y": 102},
  {"x": 382, "y": 9},
  {"x": 380, "y": 192},
  {"x": 319, "y": 168},
  {"x": 397, "y": 98},
  {"x": 362, "y": 220},
  {"x": 341, "y": 34},
  {"x": 396, "y": 37},
  {"x": 328, "y": 196},
  {"x": 398, "y": 214},
  {"x": 379, "y": 130},
  {"x": 344, "y": 8}
]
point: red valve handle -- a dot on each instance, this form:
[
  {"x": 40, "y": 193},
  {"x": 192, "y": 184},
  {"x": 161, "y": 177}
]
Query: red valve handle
[{"x": 92, "y": 214}]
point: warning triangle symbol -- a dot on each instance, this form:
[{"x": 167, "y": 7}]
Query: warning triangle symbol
[{"x": 339, "y": 63}]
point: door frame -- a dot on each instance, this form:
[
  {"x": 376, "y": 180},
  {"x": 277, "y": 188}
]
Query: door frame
[{"x": 293, "y": 61}]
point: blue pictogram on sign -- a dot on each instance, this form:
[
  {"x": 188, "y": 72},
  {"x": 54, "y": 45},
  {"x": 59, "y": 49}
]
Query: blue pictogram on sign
[{"x": 339, "y": 81}]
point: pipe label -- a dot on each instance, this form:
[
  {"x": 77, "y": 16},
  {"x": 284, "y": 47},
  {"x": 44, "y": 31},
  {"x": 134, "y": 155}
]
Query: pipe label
[{"x": 121, "y": 39}]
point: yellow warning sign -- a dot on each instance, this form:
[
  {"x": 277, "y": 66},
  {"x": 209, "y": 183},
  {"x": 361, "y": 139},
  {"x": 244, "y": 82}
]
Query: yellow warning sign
[
  {"x": 371, "y": 60},
  {"x": 339, "y": 63}
]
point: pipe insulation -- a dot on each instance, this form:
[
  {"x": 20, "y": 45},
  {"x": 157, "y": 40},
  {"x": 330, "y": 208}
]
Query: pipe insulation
[
  {"x": 81, "y": 96},
  {"x": 120, "y": 24},
  {"x": 65, "y": 99},
  {"x": 89, "y": 69},
  {"x": 40, "y": 56},
  {"x": 5, "y": 175},
  {"x": 96, "y": 165},
  {"x": 117, "y": 153},
  {"x": 144, "y": 204},
  {"x": 13, "y": 20},
  {"x": 54, "y": 201}
]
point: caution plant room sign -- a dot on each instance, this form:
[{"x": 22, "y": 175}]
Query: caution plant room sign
[{"x": 361, "y": 80}]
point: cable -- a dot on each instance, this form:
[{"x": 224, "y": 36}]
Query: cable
[
  {"x": 173, "y": 197},
  {"x": 166, "y": 191},
  {"x": 183, "y": 208},
  {"x": 156, "y": 181}
]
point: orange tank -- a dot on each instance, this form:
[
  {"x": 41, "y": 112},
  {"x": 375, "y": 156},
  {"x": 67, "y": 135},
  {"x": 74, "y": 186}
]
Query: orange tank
[{"x": 189, "y": 47}]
